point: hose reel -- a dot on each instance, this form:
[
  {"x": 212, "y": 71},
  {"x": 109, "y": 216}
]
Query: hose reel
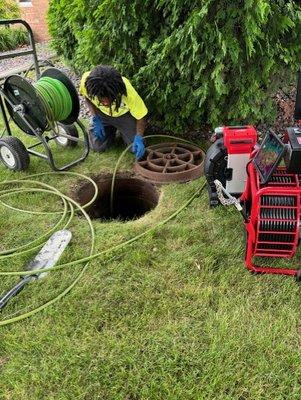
[
  {"x": 52, "y": 96},
  {"x": 49, "y": 105}
]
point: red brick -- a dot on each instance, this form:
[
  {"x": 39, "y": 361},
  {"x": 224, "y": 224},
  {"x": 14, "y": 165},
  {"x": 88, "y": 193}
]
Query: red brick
[{"x": 36, "y": 17}]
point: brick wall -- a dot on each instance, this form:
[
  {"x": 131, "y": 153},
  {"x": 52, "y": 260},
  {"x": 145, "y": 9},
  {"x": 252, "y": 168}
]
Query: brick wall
[{"x": 34, "y": 12}]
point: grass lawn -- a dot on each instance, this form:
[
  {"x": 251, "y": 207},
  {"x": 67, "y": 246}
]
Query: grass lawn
[{"x": 173, "y": 316}]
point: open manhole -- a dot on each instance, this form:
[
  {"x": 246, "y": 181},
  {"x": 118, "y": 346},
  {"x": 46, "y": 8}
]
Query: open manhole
[
  {"x": 133, "y": 197},
  {"x": 171, "y": 162}
]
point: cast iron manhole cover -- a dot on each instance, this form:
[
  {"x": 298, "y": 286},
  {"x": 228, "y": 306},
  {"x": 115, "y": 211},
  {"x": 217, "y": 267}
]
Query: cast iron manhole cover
[{"x": 171, "y": 162}]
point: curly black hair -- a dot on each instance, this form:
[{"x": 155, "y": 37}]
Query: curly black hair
[{"x": 106, "y": 81}]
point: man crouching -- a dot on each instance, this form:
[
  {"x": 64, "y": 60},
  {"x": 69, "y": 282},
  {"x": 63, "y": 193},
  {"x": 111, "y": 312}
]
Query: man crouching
[{"x": 114, "y": 105}]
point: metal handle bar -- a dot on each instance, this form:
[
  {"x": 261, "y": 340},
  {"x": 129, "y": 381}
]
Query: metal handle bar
[{"x": 3, "y": 56}]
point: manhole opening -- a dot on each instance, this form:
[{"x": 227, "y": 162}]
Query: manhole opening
[{"x": 133, "y": 198}]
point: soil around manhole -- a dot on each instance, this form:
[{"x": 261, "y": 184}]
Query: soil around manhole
[{"x": 133, "y": 197}]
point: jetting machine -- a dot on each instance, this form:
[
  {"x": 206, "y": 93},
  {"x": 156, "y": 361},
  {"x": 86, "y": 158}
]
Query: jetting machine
[{"x": 263, "y": 181}]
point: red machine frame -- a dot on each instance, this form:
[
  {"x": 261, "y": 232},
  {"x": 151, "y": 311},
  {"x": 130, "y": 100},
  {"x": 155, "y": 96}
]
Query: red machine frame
[{"x": 261, "y": 241}]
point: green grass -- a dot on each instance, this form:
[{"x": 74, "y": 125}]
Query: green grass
[{"x": 174, "y": 316}]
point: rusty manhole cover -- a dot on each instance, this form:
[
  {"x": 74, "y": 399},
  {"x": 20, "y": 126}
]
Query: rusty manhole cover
[{"x": 171, "y": 162}]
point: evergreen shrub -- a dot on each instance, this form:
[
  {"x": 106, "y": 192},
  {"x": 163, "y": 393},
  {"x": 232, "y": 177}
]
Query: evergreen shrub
[
  {"x": 202, "y": 61},
  {"x": 11, "y": 38}
]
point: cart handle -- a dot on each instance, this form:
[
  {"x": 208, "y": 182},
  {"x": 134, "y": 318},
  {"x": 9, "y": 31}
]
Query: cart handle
[{"x": 32, "y": 51}]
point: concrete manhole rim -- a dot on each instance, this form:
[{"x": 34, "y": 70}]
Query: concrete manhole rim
[{"x": 171, "y": 162}]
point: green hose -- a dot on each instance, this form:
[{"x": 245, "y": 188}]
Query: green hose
[
  {"x": 56, "y": 99},
  {"x": 69, "y": 206},
  {"x": 71, "y": 203}
]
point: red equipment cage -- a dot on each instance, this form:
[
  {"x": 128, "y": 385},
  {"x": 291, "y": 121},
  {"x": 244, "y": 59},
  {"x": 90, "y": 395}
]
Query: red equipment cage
[{"x": 273, "y": 219}]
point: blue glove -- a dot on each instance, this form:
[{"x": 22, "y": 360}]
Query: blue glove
[
  {"x": 98, "y": 128},
  {"x": 138, "y": 146}
]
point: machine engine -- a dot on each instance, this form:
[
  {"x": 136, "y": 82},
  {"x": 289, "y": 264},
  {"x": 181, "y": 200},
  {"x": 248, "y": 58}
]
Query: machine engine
[{"x": 227, "y": 158}]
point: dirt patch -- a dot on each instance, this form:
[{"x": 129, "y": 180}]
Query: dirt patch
[{"x": 3, "y": 362}]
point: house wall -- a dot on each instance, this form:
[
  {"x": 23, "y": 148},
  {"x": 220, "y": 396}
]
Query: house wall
[{"x": 34, "y": 12}]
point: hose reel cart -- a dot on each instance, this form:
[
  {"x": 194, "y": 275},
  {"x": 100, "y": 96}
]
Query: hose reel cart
[{"x": 50, "y": 105}]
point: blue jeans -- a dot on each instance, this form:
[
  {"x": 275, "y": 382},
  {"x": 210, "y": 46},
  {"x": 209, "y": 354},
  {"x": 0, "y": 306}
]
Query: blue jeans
[{"x": 125, "y": 124}]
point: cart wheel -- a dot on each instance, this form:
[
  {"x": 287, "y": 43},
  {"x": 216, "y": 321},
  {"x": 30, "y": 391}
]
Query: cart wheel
[
  {"x": 298, "y": 276},
  {"x": 13, "y": 153},
  {"x": 70, "y": 130}
]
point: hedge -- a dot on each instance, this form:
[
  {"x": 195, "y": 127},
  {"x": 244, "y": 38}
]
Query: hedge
[
  {"x": 9, "y": 9},
  {"x": 10, "y": 39},
  {"x": 209, "y": 61}
]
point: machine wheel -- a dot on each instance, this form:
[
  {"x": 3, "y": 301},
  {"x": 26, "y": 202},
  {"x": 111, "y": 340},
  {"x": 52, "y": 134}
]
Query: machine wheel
[
  {"x": 13, "y": 154},
  {"x": 70, "y": 130},
  {"x": 215, "y": 167}
]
